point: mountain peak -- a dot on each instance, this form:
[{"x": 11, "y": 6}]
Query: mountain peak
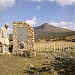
[
  {"x": 45, "y": 25},
  {"x": 49, "y": 31},
  {"x": 50, "y": 28}
]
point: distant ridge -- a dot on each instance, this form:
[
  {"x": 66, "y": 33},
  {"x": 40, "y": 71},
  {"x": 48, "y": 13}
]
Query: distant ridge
[
  {"x": 50, "y": 28},
  {"x": 49, "y": 31}
]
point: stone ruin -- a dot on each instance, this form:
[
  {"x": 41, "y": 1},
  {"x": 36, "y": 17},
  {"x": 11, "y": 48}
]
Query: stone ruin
[{"x": 23, "y": 37}]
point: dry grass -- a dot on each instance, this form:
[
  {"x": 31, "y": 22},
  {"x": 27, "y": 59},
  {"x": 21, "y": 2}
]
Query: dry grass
[
  {"x": 13, "y": 65},
  {"x": 16, "y": 65}
]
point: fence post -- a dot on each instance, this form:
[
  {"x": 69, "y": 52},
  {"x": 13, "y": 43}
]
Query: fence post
[{"x": 54, "y": 46}]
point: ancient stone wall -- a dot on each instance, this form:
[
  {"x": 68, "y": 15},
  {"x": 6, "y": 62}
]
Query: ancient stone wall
[{"x": 28, "y": 44}]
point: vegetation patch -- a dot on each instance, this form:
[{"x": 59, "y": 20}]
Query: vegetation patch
[{"x": 48, "y": 64}]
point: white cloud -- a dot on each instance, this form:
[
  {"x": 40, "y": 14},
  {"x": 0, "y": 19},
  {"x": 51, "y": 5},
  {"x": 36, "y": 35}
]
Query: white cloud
[
  {"x": 61, "y": 2},
  {"x": 68, "y": 25},
  {"x": 51, "y": 0},
  {"x": 38, "y": 7},
  {"x": 4, "y": 4},
  {"x": 74, "y": 26},
  {"x": 33, "y": 21},
  {"x": 42, "y": 0},
  {"x": 37, "y": 0},
  {"x": 65, "y": 2}
]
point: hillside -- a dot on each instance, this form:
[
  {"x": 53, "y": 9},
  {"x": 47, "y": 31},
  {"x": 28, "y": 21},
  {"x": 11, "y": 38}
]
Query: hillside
[
  {"x": 49, "y": 28},
  {"x": 48, "y": 31}
]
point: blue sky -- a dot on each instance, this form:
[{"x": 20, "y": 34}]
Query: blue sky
[{"x": 59, "y": 13}]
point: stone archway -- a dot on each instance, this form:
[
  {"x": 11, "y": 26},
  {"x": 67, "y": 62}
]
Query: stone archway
[{"x": 23, "y": 36}]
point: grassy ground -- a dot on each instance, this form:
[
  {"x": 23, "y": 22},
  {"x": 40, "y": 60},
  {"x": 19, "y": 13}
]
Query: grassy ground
[{"x": 17, "y": 65}]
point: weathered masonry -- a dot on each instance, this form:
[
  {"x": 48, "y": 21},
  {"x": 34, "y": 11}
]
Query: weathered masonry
[
  {"x": 23, "y": 37},
  {"x": 1, "y": 51}
]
